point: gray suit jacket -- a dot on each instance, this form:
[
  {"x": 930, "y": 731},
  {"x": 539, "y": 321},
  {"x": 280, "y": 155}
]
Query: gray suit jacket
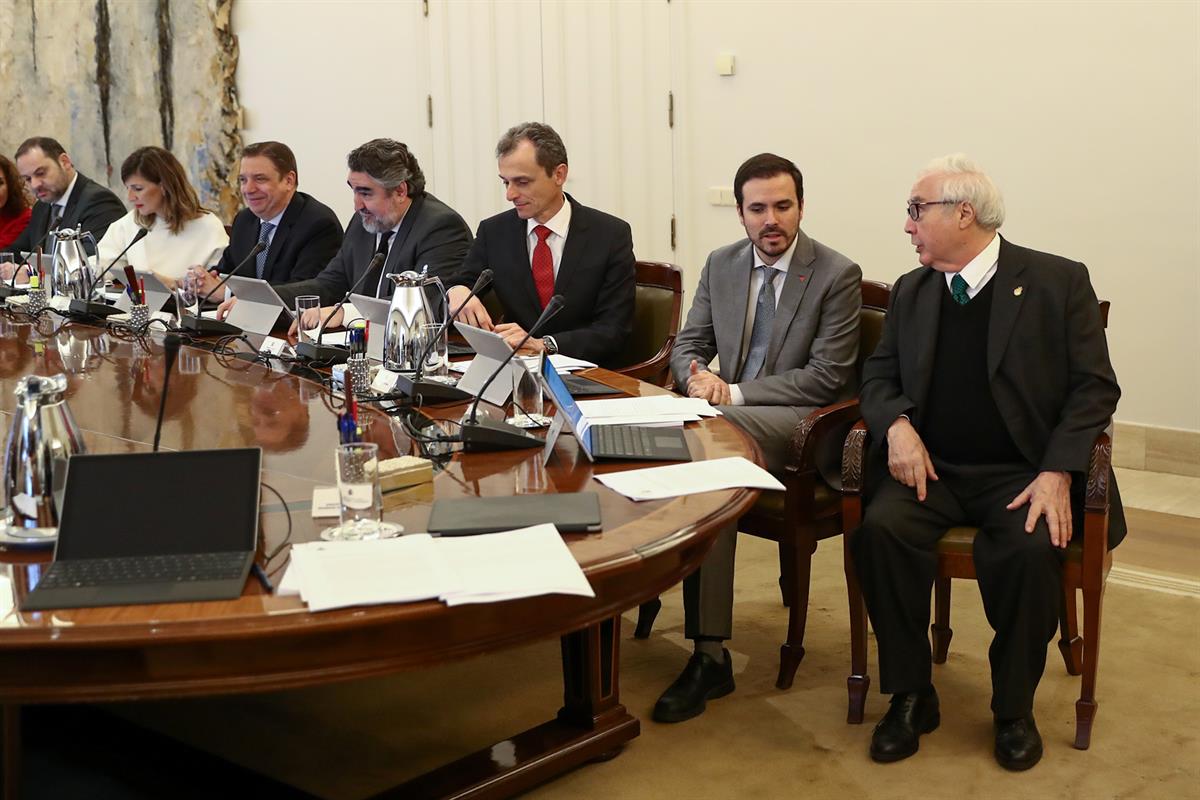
[{"x": 814, "y": 342}]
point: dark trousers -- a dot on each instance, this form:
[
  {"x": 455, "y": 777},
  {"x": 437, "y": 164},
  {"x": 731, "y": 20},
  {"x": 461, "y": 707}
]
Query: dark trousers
[{"x": 1019, "y": 577}]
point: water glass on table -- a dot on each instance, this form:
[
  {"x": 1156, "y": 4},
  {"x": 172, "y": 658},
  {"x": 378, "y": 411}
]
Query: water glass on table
[
  {"x": 308, "y": 317},
  {"x": 437, "y": 362},
  {"x": 361, "y": 502},
  {"x": 528, "y": 405}
]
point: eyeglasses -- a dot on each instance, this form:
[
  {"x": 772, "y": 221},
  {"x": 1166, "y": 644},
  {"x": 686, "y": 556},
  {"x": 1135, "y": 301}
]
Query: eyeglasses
[{"x": 914, "y": 209}]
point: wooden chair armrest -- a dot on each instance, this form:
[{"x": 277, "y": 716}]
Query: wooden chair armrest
[
  {"x": 651, "y": 369},
  {"x": 854, "y": 459},
  {"x": 1099, "y": 470},
  {"x": 830, "y": 420}
]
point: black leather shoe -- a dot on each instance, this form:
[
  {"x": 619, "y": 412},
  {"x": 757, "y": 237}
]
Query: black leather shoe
[
  {"x": 897, "y": 736},
  {"x": 702, "y": 679},
  {"x": 1018, "y": 743}
]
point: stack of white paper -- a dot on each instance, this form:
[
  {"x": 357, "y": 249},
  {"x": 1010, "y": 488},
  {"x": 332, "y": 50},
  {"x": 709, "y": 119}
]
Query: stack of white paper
[
  {"x": 470, "y": 569},
  {"x": 558, "y": 360},
  {"x": 655, "y": 411},
  {"x": 656, "y": 483}
]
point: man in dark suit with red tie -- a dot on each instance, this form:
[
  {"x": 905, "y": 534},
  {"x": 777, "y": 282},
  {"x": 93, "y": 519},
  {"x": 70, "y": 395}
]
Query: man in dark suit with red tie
[
  {"x": 983, "y": 398},
  {"x": 548, "y": 244}
]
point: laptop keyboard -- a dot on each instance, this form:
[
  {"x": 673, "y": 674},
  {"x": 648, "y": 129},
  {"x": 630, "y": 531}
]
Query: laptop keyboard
[
  {"x": 186, "y": 568},
  {"x": 620, "y": 440}
]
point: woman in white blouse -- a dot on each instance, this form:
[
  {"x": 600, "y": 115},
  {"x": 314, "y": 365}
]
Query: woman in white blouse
[{"x": 182, "y": 234}]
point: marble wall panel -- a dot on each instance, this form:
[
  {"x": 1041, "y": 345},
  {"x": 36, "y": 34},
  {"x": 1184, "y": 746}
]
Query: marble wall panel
[{"x": 105, "y": 77}]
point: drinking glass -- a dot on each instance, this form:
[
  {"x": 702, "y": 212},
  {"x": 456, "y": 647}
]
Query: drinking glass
[
  {"x": 308, "y": 317},
  {"x": 187, "y": 296},
  {"x": 361, "y": 503},
  {"x": 527, "y": 393},
  {"x": 437, "y": 363}
]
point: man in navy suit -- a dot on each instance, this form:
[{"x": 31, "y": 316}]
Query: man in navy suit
[
  {"x": 548, "y": 244},
  {"x": 301, "y": 234}
]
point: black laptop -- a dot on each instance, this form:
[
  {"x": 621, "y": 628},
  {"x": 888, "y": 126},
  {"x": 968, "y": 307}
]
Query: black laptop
[
  {"x": 133, "y": 529},
  {"x": 636, "y": 442}
]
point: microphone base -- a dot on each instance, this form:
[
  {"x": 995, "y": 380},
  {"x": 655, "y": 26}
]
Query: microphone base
[
  {"x": 431, "y": 392},
  {"x": 203, "y": 326},
  {"x": 11, "y": 291},
  {"x": 323, "y": 352},
  {"x": 488, "y": 434},
  {"x": 91, "y": 308}
]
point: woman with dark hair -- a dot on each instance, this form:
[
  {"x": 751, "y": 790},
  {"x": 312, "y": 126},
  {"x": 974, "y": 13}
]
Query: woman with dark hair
[
  {"x": 14, "y": 203},
  {"x": 182, "y": 234}
]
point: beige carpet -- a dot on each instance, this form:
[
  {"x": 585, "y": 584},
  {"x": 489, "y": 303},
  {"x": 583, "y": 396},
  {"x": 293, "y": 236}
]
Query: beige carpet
[{"x": 351, "y": 740}]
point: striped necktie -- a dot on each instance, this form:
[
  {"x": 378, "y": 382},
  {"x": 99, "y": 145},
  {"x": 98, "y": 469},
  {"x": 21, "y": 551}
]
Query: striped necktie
[{"x": 760, "y": 334}]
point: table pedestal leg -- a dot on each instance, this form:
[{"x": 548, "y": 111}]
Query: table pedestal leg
[
  {"x": 592, "y": 725},
  {"x": 12, "y": 751}
]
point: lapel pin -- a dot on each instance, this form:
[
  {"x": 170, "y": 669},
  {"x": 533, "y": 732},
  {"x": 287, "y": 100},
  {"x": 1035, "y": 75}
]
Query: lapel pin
[{"x": 1017, "y": 291}]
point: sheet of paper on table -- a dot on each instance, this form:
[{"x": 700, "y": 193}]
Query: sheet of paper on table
[
  {"x": 457, "y": 570},
  {"x": 694, "y": 477},
  {"x": 561, "y": 363}
]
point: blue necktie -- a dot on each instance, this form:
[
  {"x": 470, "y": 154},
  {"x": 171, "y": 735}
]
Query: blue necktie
[
  {"x": 264, "y": 238},
  {"x": 958, "y": 290},
  {"x": 760, "y": 334}
]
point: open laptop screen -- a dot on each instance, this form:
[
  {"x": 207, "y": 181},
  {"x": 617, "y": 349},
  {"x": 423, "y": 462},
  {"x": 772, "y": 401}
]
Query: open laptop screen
[
  {"x": 566, "y": 403},
  {"x": 138, "y": 504}
]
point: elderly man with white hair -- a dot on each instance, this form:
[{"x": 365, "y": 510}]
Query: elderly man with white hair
[{"x": 990, "y": 383}]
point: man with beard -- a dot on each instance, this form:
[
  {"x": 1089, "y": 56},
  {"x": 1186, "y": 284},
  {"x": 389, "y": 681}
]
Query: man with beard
[
  {"x": 66, "y": 198},
  {"x": 780, "y": 311},
  {"x": 396, "y": 217}
]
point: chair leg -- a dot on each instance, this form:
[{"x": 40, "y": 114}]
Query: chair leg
[
  {"x": 1085, "y": 707},
  {"x": 940, "y": 629},
  {"x": 1070, "y": 645},
  {"x": 859, "y": 681},
  {"x": 787, "y": 571},
  {"x": 791, "y": 653},
  {"x": 647, "y": 612}
]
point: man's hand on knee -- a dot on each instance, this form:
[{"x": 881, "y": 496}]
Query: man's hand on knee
[
  {"x": 908, "y": 460},
  {"x": 1049, "y": 496}
]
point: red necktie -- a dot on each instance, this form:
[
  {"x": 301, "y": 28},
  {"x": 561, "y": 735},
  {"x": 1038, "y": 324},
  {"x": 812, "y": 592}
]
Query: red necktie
[{"x": 543, "y": 266}]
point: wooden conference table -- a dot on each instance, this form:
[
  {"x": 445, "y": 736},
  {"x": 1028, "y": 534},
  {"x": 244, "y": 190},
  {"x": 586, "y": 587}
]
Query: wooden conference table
[{"x": 262, "y": 642}]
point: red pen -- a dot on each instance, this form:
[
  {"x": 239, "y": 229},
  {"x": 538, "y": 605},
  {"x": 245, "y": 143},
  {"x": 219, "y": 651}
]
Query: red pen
[{"x": 141, "y": 291}]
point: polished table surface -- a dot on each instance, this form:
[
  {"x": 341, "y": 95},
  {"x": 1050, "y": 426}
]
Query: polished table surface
[{"x": 261, "y": 641}]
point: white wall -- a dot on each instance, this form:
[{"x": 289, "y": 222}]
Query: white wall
[{"x": 1086, "y": 114}]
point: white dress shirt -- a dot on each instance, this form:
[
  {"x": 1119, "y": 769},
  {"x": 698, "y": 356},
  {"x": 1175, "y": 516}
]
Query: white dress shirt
[
  {"x": 201, "y": 242},
  {"x": 980, "y": 269},
  {"x": 557, "y": 239},
  {"x": 778, "y": 273}
]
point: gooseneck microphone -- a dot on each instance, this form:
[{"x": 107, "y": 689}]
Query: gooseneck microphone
[
  {"x": 170, "y": 353},
  {"x": 89, "y": 307},
  {"x": 434, "y": 391},
  {"x": 204, "y": 326},
  {"x": 315, "y": 351},
  {"x": 254, "y": 251},
  {"x": 142, "y": 233},
  {"x": 489, "y": 434}
]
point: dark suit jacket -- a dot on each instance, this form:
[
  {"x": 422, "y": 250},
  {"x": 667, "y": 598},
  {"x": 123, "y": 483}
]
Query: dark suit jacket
[
  {"x": 431, "y": 233},
  {"x": 596, "y": 278},
  {"x": 308, "y": 235},
  {"x": 1047, "y": 359},
  {"x": 90, "y": 207}
]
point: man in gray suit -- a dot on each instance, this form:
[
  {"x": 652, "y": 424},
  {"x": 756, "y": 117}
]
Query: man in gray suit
[{"x": 779, "y": 360}]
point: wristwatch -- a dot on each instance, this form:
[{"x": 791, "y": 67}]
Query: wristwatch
[{"x": 550, "y": 345}]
